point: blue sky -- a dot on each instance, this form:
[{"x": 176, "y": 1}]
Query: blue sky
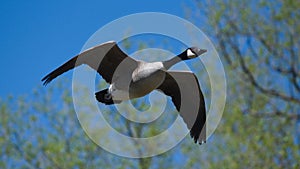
[{"x": 37, "y": 36}]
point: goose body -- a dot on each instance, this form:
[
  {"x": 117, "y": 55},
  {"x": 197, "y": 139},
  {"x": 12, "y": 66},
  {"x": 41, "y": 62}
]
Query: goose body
[
  {"x": 146, "y": 78},
  {"x": 130, "y": 78}
]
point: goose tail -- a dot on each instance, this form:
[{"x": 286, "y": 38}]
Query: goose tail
[{"x": 105, "y": 97}]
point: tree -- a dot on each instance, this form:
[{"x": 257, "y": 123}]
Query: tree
[
  {"x": 259, "y": 42},
  {"x": 42, "y": 131},
  {"x": 259, "y": 45}
]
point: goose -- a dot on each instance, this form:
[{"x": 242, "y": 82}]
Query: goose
[{"x": 130, "y": 78}]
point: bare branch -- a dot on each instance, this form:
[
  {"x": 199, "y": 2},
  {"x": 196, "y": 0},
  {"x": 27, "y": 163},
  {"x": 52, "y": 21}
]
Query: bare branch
[
  {"x": 253, "y": 81},
  {"x": 290, "y": 116},
  {"x": 19, "y": 149},
  {"x": 293, "y": 64},
  {"x": 223, "y": 49},
  {"x": 54, "y": 164}
]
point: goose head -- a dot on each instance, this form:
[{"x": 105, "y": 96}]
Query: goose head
[{"x": 191, "y": 53}]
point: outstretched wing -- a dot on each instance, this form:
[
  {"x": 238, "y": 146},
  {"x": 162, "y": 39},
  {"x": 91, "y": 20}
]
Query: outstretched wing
[
  {"x": 104, "y": 58},
  {"x": 184, "y": 89}
]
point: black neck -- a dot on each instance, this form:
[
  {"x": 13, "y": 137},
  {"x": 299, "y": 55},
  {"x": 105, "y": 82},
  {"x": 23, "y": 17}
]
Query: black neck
[{"x": 169, "y": 63}]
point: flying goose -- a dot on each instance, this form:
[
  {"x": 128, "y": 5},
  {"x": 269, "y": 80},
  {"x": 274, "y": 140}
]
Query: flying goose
[{"x": 130, "y": 78}]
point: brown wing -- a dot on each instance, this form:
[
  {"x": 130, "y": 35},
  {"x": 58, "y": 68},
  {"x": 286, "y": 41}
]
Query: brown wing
[
  {"x": 184, "y": 89},
  {"x": 104, "y": 58}
]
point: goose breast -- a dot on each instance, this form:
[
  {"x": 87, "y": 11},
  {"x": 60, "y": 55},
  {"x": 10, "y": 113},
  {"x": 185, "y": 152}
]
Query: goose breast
[{"x": 146, "y": 78}]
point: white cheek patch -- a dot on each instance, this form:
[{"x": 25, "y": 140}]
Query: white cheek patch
[{"x": 190, "y": 54}]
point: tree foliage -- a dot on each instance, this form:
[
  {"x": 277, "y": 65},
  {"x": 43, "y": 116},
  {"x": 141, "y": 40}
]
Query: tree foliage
[{"x": 259, "y": 44}]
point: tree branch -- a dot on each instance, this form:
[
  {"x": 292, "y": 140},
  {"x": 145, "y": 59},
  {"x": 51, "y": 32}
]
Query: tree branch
[
  {"x": 254, "y": 82},
  {"x": 274, "y": 114}
]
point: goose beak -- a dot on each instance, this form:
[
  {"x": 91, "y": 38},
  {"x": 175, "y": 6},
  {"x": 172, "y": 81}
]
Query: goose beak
[{"x": 200, "y": 51}]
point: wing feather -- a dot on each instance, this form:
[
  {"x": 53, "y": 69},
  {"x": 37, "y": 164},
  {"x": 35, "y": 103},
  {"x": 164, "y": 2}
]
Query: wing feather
[
  {"x": 104, "y": 58},
  {"x": 184, "y": 89}
]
